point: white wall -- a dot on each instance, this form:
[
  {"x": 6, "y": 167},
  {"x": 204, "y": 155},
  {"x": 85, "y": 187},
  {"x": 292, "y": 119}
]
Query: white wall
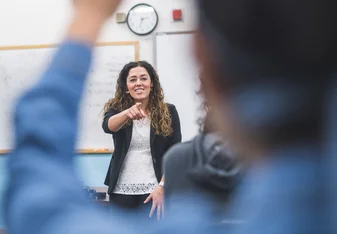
[{"x": 29, "y": 22}]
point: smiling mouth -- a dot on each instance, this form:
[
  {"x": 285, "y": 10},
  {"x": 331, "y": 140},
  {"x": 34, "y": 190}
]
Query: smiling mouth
[{"x": 139, "y": 90}]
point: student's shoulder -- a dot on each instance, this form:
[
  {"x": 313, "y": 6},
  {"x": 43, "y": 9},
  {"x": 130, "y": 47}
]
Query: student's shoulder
[{"x": 179, "y": 153}]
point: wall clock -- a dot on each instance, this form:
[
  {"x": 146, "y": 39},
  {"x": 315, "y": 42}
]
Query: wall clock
[{"x": 142, "y": 19}]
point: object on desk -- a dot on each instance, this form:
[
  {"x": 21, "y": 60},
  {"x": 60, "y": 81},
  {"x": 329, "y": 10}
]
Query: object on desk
[
  {"x": 100, "y": 195},
  {"x": 92, "y": 194}
]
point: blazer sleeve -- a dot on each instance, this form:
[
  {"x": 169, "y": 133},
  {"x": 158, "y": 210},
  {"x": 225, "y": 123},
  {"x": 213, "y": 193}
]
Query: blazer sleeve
[
  {"x": 176, "y": 138},
  {"x": 107, "y": 115}
]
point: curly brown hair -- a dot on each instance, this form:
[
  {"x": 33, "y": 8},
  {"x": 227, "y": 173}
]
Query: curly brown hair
[{"x": 159, "y": 112}]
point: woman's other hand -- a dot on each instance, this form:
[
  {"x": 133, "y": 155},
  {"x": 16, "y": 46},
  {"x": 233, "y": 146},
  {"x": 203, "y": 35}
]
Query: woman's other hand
[{"x": 157, "y": 197}]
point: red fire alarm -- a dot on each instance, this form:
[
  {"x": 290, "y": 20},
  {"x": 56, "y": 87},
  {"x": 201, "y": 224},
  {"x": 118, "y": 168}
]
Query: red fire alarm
[{"x": 177, "y": 14}]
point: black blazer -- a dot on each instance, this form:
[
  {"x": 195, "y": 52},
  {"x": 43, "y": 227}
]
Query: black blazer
[{"x": 122, "y": 138}]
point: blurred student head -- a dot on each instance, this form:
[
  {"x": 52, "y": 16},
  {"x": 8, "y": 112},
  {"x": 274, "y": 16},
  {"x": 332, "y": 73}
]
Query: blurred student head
[{"x": 268, "y": 64}]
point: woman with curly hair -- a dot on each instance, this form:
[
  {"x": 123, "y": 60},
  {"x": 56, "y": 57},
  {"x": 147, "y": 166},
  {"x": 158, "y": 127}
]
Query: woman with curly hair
[{"x": 143, "y": 128}]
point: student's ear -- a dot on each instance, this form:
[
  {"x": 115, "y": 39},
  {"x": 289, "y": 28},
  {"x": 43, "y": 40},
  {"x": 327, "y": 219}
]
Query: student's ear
[{"x": 211, "y": 78}]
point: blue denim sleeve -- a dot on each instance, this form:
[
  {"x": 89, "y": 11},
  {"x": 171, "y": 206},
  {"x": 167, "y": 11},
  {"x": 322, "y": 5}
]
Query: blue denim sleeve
[{"x": 44, "y": 194}]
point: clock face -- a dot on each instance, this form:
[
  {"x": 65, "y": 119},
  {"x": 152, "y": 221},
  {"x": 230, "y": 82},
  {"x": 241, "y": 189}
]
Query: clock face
[{"x": 142, "y": 19}]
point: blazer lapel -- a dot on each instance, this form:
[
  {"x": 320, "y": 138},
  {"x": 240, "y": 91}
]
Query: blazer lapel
[{"x": 152, "y": 138}]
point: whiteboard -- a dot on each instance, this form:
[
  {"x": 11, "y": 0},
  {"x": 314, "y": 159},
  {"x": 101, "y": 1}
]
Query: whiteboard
[
  {"x": 179, "y": 77},
  {"x": 20, "y": 68}
]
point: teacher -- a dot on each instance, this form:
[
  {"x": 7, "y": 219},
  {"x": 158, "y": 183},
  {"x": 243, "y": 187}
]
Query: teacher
[{"x": 143, "y": 128}]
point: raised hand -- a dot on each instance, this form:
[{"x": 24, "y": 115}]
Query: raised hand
[{"x": 105, "y": 8}]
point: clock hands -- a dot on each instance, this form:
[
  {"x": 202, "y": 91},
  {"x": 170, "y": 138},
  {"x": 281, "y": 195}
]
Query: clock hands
[{"x": 141, "y": 20}]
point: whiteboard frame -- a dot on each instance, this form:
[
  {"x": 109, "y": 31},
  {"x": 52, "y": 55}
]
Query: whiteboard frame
[
  {"x": 164, "y": 33},
  {"x": 41, "y": 46}
]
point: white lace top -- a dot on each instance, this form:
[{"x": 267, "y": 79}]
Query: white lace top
[{"x": 137, "y": 174}]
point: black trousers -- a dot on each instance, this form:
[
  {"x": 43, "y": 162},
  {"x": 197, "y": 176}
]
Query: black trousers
[{"x": 130, "y": 202}]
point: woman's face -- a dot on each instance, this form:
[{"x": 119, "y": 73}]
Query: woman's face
[{"x": 139, "y": 83}]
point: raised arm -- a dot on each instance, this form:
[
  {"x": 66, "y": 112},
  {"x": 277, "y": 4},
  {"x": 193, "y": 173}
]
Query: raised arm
[
  {"x": 44, "y": 194},
  {"x": 113, "y": 120}
]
